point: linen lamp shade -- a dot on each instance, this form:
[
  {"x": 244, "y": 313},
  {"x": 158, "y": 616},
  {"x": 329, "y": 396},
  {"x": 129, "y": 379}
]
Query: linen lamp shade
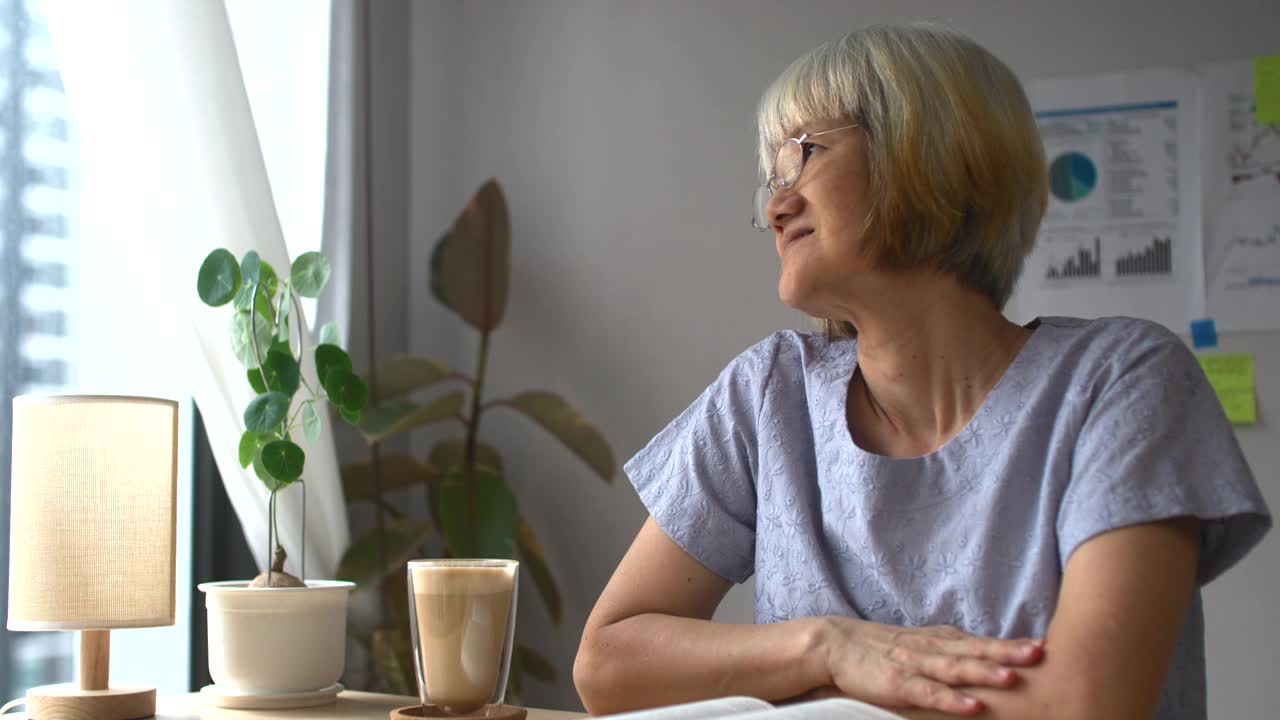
[{"x": 92, "y": 524}]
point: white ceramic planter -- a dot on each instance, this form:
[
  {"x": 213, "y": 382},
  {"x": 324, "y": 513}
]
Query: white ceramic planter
[{"x": 276, "y": 640}]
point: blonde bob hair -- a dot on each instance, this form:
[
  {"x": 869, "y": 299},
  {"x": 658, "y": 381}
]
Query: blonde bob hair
[{"x": 957, "y": 172}]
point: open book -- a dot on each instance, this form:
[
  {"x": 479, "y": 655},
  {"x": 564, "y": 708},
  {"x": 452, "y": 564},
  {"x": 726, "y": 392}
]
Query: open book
[{"x": 746, "y": 708}]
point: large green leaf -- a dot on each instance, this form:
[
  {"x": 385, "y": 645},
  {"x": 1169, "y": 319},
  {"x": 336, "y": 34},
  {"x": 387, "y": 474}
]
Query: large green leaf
[
  {"x": 471, "y": 264},
  {"x": 361, "y": 563},
  {"x": 448, "y": 453},
  {"x": 379, "y": 423},
  {"x": 395, "y": 472},
  {"x": 495, "y": 515},
  {"x": 534, "y": 560},
  {"x": 284, "y": 460},
  {"x": 515, "y": 680},
  {"x": 393, "y": 661},
  {"x": 265, "y": 412},
  {"x": 309, "y": 274},
  {"x": 535, "y": 664},
  {"x": 403, "y": 374},
  {"x": 564, "y": 422},
  {"x": 218, "y": 279},
  {"x": 242, "y": 344}
]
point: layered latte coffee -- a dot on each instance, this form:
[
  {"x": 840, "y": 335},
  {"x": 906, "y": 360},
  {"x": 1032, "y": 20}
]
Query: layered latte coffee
[{"x": 463, "y": 611}]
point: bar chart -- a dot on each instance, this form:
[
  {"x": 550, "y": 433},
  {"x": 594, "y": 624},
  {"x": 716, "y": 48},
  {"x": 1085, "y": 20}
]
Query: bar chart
[
  {"x": 1084, "y": 264},
  {"x": 1154, "y": 259}
]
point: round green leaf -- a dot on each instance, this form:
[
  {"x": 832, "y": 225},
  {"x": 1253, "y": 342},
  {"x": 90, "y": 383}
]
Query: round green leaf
[
  {"x": 282, "y": 317},
  {"x": 329, "y": 334},
  {"x": 248, "y": 448},
  {"x": 242, "y": 345},
  {"x": 351, "y": 416},
  {"x": 266, "y": 412},
  {"x": 282, "y": 371},
  {"x": 330, "y": 358},
  {"x": 265, "y": 475},
  {"x": 219, "y": 278},
  {"x": 310, "y": 423},
  {"x": 249, "y": 265},
  {"x": 284, "y": 460},
  {"x": 309, "y": 274},
  {"x": 267, "y": 278},
  {"x": 346, "y": 390},
  {"x": 256, "y": 270},
  {"x": 244, "y": 301},
  {"x": 255, "y": 380}
]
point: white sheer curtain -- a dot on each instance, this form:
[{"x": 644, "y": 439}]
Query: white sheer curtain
[{"x": 157, "y": 88}]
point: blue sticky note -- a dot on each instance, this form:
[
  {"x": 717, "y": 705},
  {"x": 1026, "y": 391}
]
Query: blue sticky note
[{"x": 1203, "y": 333}]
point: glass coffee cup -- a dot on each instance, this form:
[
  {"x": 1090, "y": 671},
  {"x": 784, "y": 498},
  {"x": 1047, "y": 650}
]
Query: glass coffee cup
[{"x": 463, "y": 618}]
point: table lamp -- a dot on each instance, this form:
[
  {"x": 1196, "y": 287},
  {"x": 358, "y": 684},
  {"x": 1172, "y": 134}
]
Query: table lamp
[{"x": 92, "y": 537}]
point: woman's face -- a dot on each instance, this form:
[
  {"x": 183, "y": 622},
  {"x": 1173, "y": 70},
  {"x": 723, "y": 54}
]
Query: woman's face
[{"x": 818, "y": 223}]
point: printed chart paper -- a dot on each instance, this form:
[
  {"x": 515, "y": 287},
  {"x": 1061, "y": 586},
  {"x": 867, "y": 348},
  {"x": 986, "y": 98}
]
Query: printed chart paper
[
  {"x": 1121, "y": 235},
  {"x": 1241, "y": 204}
]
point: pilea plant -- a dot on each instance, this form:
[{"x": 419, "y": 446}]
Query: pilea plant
[
  {"x": 263, "y": 305},
  {"x": 471, "y": 509}
]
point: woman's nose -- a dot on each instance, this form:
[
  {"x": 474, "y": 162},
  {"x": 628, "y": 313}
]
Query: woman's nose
[{"x": 784, "y": 203}]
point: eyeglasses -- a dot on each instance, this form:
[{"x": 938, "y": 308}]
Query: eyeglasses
[{"x": 786, "y": 171}]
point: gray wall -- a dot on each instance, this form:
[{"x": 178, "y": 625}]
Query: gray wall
[{"x": 622, "y": 133}]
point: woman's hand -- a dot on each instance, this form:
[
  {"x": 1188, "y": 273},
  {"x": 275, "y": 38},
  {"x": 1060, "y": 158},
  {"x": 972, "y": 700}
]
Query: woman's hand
[{"x": 918, "y": 667}]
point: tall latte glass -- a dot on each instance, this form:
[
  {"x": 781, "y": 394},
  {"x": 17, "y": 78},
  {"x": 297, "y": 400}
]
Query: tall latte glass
[{"x": 463, "y": 624}]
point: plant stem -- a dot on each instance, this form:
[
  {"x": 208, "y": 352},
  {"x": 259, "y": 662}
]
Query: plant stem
[
  {"x": 364, "y": 17},
  {"x": 473, "y": 430}
]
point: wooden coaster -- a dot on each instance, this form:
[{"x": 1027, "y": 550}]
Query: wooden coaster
[{"x": 488, "y": 712}]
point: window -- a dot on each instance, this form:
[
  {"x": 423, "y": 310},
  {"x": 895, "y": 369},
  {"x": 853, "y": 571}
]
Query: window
[{"x": 71, "y": 322}]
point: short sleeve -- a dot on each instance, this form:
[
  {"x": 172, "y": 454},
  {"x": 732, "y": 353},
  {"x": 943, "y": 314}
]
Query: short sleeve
[
  {"x": 1155, "y": 445},
  {"x": 697, "y": 476}
]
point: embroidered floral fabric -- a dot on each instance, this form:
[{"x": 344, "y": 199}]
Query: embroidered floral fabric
[{"x": 1095, "y": 425}]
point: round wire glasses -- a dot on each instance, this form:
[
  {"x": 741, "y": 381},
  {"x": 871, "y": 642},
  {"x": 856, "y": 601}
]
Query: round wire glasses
[{"x": 786, "y": 171}]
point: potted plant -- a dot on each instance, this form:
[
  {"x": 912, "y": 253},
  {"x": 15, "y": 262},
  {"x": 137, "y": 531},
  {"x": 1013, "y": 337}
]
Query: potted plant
[
  {"x": 472, "y": 511},
  {"x": 278, "y": 640}
]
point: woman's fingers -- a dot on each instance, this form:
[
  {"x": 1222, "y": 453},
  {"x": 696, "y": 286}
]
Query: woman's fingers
[
  {"x": 925, "y": 693},
  {"x": 950, "y": 641},
  {"x": 956, "y": 671}
]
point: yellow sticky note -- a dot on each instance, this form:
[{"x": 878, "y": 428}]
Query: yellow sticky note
[
  {"x": 1232, "y": 379},
  {"x": 1266, "y": 88}
]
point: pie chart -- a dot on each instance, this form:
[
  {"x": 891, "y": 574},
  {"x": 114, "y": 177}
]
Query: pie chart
[{"x": 1072, "y": 176}]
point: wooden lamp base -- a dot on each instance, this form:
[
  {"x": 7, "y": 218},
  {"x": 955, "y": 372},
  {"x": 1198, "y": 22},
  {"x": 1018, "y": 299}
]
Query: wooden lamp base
[
  {"x": 69, "y": 702},
  {"x": 91, "y": 699}
]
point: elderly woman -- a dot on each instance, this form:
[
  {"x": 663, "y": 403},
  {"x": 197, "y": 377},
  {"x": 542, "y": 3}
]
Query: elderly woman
[{"x": 945, "y": 512}]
